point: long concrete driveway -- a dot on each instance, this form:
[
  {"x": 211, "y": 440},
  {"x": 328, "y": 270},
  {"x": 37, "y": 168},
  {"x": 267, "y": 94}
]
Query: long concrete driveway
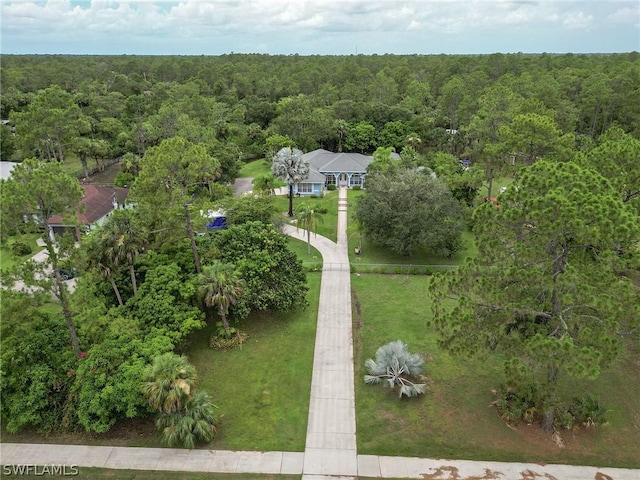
[
  {"x": 331, "y": 429},
  {"x": 330, "y": 450}
]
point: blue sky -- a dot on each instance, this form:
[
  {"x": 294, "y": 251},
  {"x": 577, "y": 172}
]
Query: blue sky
[{"x": 326, "y": 27}]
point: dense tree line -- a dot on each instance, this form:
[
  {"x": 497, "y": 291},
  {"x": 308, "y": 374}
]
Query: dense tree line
[{"x": 97, "y": 107}]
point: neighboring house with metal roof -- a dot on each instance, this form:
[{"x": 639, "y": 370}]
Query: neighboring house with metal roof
[
  {"x": 97, "y": 203},
  {"x": 329, "y": 168}
]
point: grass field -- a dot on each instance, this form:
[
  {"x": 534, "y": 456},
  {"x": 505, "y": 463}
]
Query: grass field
[
  {"x": 300, "y": 249},
  {"x": 8, "y": 259},
  {"x": 454, "y": 419},
  {"x": 255, "y": 168},
  {"x": 262, "y": 389}
]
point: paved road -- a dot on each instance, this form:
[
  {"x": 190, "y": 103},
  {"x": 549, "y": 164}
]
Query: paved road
[
  {"x": 330, "y": 451},
  {"x": 242, "y": 185}
]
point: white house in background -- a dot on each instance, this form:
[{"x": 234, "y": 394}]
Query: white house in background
[
  {"x": 97, "y": 203},
  {"x": 329, "y": 168}
]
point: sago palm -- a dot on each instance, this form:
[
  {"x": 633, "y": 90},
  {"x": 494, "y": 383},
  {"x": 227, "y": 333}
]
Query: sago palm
[
  {"x": 289, "y": 166},
  {"x": 219, "y": 285},
  {"x": 169, "y": 382}
]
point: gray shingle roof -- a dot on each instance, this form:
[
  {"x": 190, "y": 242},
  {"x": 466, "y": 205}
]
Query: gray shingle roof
[{"x": 323, "y": 161}]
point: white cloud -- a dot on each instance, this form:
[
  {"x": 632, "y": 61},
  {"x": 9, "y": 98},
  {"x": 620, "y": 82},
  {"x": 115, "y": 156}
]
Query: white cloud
[
  {"x": 626, "y": 15},
  {"x": 577, "y": 20},
  {"x": 247, "y": 22}
]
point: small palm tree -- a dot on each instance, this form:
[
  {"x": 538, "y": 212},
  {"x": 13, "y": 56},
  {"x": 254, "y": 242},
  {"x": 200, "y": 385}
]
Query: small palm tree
[
  {"x": 289, "y": 166},
  {"x": 169, "y": 382},
  {"x": 219, "y": 285},
  {"x": 308, "y": 219},
  {"x": 194, "y": 423},
  {"x": 392, "y": 365},
  {"x": 265, "y": 184}
]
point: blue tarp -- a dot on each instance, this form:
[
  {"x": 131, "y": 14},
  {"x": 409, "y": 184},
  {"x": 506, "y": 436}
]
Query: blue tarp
[{"x": 216, "y": 223}]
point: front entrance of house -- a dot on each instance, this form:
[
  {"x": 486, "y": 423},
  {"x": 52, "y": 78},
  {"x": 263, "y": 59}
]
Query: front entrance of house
[{"x": 342, "y": 180}]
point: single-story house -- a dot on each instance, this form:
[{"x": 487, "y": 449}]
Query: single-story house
[
  {"x": 329, "y": 168},
  {"x": 97, "y": 203}
]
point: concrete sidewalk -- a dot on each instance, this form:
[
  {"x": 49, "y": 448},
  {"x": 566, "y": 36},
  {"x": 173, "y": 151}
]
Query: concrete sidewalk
[
  {"x": 330, "y": 450},
  {"x": 292, "y": 463}
]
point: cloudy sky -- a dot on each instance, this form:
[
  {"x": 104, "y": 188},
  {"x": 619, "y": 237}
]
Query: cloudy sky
[{"x": 214, "y": 27}]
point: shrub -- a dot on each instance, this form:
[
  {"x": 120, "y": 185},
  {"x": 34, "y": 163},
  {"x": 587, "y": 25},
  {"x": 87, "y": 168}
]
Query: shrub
[
  {"x": 564, "y": 419},
  {"x": 521, "y": 404},
  {"x": 218, "y": 342},
  {"x": 20, "y": 248},
  {"x": 588, "y": 411},
  {"x": 356, "y": 187},
  {"x": 322, "y": 210},
  {"x": 124, "y": 179},
  {"x": 331, "y": 187}
]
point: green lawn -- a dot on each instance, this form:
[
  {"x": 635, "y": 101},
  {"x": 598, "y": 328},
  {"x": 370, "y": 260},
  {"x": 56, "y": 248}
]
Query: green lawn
[
  {"x": 454, "y": 419},
  {"x": 300, "y": 249},
  {"x": 7, "y": 257},
  {"x": 329, "y": 226},
  {"x": 255, "y": 168},
  {"x": 498, "y": 183},
  {"x": 262, "y": 389}
]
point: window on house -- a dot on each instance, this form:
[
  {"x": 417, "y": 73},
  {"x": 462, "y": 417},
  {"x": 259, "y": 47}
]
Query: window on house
[
  {"x": 330, "y": 179},
  {"x": 305, "y": 188},
  {"x": 356, "y": 179}
]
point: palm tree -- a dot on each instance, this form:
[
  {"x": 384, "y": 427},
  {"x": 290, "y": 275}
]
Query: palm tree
[
  {"x": 124, "y": 241},
  {"x": 169, "y": 382},
  {"x": 308, "y": 219},
  {"x": 97, "y": 256},
  {"x": 195, "y": 422},
  {"x": 342, "y": 130},
  {"x": 288, "y": 165},
  {"x": 265, "y": 184},
  {"x": 392, "y": 365},
  {"x": 220, "y": 286}
]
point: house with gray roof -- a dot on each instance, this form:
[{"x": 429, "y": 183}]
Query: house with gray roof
[{"x": 329, "y": 168}]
